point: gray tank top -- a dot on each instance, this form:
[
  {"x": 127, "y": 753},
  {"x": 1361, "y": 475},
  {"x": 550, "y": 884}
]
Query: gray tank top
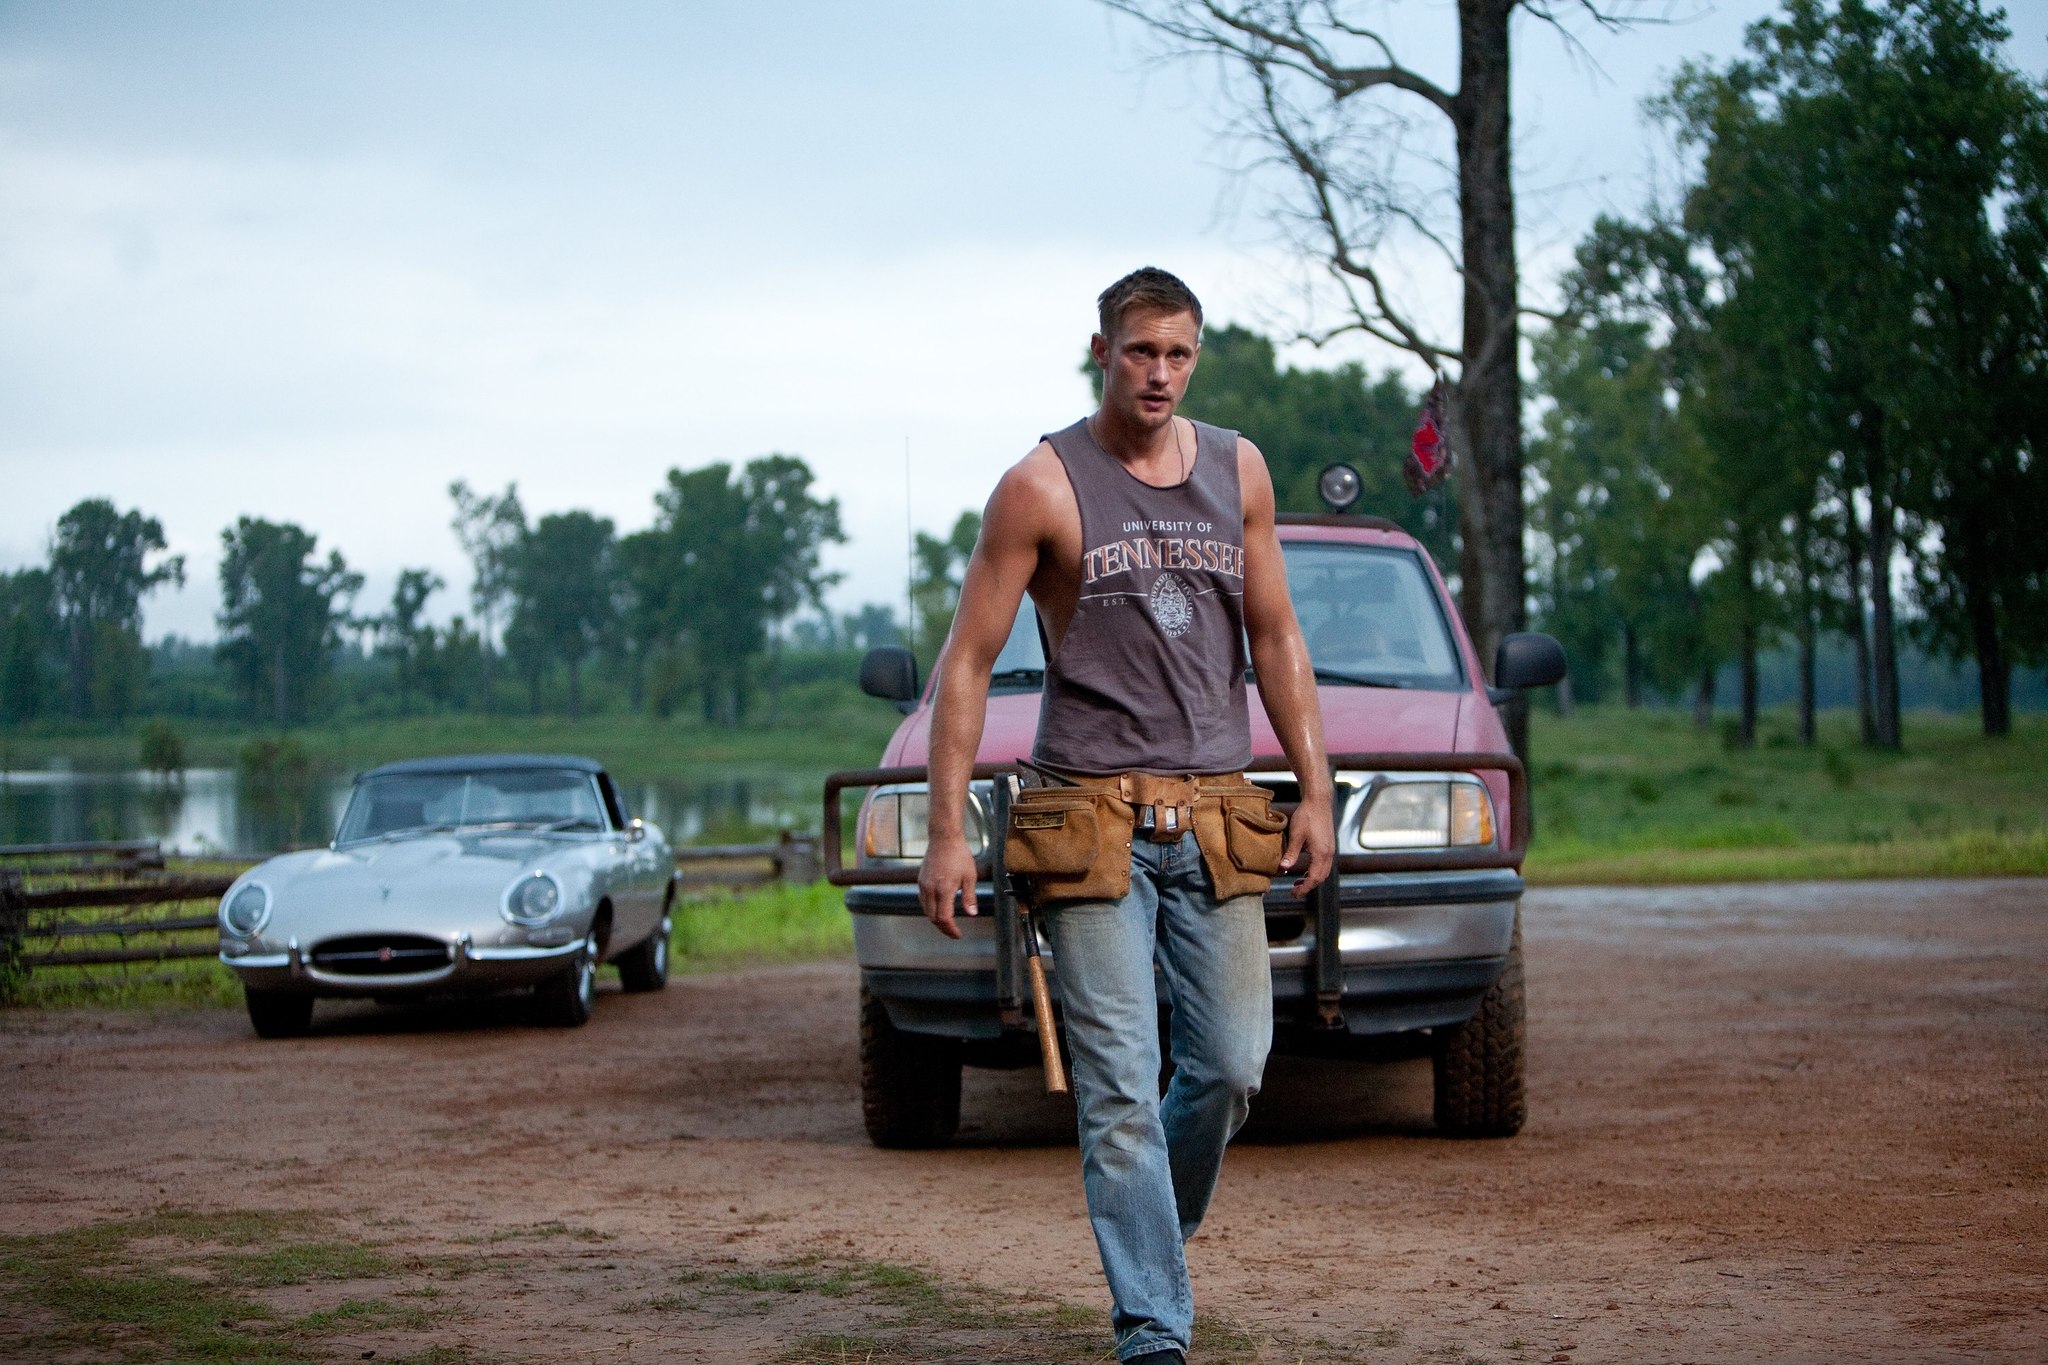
[{"x": 1150, "y": 675}]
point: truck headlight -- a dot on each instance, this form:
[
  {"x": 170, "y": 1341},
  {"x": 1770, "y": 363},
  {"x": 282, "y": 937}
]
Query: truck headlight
[
  {"x": 245, "y": 909},
  {"x": 1428, "y": 814},
  {"x": 533, "y": 899},
  {"x": 896, "y": 825}
]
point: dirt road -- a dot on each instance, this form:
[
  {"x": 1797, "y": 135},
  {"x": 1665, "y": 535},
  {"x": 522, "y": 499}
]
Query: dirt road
[{"x": 1785, "y": 1123}]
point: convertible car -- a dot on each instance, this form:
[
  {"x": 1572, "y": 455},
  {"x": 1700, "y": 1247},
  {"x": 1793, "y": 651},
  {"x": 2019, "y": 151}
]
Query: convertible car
[{"x": 473, "y": 874}]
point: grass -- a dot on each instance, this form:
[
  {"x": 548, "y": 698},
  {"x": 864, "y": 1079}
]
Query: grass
[
  {"x": 782, "y": 923},
  {"x": 1645, "y": 797}
]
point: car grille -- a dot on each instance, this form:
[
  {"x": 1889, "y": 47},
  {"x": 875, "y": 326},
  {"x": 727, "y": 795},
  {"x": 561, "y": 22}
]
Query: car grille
[{"x": 381, "y": 955}]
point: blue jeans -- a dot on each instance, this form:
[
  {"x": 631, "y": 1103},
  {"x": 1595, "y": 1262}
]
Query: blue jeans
[{"x": 1149, "y": 1165}]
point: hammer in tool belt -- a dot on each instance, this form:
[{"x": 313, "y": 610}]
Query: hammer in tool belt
[{"x": 1034, "y": 965}]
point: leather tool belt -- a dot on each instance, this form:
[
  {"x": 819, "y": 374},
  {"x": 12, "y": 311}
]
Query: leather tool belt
[{"x": 1073, "y": 841}]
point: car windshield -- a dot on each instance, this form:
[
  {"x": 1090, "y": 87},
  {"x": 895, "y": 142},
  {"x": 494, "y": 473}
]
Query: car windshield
[
  {"x": 1370, "y": 614},
  {"x": 515, "y": 798}
]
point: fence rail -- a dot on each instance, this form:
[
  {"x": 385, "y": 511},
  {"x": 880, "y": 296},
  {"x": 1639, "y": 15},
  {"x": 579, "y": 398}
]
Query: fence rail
[{"x": 131, "y": 876}]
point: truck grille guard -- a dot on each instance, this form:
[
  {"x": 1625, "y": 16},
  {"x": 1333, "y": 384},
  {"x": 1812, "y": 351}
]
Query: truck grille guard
[{"x": 1323, "y": 902}]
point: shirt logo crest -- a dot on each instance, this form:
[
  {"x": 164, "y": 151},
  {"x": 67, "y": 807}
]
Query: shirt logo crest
[{"x": 1173, "y": 606}]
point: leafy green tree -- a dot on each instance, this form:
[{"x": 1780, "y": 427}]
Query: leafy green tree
[
  {"x": 729, "y": 557},
  {"x": 940, "y": 565},
  {"x": 28, "y": 625},
  {"x": 99, "y": 572},
  {"x": 566, "y": 587},
  {"x": 490, "y": 527},
  {"x": 281, "y": 616},
  {"x": 1869, "y": 191},
  {"x": 401, "y": 635}
]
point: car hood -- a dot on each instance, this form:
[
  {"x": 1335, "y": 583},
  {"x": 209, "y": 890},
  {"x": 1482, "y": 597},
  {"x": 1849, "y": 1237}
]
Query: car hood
[
  {"x": 443, "y": 884},
  {"x": 1355, "y": 720}
]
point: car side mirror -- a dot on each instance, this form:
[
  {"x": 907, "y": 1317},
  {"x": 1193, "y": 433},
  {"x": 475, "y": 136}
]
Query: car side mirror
[
  {"x": 636, "y": 829},
  {"x": 1527, "y": 659},
  {"x": 890, "y": 672}
]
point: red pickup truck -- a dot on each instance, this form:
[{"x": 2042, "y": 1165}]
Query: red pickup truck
[{"x": 1414, "y": 947}]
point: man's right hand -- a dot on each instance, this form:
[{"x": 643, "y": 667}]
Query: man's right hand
[{"x": 948, "y": 874}]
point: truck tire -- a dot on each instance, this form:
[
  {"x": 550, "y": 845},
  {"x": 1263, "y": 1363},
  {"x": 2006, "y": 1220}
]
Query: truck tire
[
  {"x": 909, "y": 1082},
  {"x": 1479, "y": 1092}
]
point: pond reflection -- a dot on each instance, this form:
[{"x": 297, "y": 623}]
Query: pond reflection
[{"x": 222, "y": 810}]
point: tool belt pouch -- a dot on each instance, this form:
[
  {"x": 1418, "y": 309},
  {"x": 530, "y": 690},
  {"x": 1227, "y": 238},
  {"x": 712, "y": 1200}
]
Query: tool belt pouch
[
  {"x": 1069, "y": 843},
  {"x": 1242, "y": 838}
]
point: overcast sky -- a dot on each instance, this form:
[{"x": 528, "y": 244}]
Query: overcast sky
[{"x": 313, "y": 262}]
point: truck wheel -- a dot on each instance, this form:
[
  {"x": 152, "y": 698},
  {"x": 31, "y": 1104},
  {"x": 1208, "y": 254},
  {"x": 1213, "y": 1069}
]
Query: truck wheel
[
  {"x": 279, "y": 1014},
  {"x": 1479, "y": 1064},
  {"x": 644, "y": 967},
  {"x": 909, "y": 1082}
]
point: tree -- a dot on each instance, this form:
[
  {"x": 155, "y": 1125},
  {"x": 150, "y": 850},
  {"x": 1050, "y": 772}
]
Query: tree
[
  {"x": 28, "y": 624},
  {"x": 401, "y": 637},
  {"x": 281, "y": 614},
  {"x": 490, "y": 529},
  {"x": 941, "y": 566},
  {"x": 730, "y": 556},
  {"x": 566, "y": 589},
  {"x": 1870, "y": 189},
  {"x": 1326, "y": 94},
  {"x": 99, "y": 572}
]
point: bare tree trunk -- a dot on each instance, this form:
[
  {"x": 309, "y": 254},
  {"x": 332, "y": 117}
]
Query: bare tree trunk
[
  {"x": 1994, "y": 668},
  {"x": 1746, "y": 732},
  {"x": 1866, "y": 712},
  {"x": 1631, "y": 667},
  {"x": 1490, "y": 386},
  {"x": 1883, "y": 628},
  {"x": 1703, "y": 700},
  {"x": 1809, "y": 607},
  {"x": 575, "y": 690},
  {"x": 279, "y": 694},
  {"x": 79, "y": 657}
]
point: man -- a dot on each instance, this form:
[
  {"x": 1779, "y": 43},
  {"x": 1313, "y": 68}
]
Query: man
[{"x": 1146, "y": 542}]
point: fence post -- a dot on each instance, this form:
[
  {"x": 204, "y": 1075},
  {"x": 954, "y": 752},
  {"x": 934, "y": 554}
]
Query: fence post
[{"x": 13, "y": 928}]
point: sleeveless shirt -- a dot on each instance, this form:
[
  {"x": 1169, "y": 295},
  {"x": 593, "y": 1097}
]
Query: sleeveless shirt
[{"x": 1150, "y": 674}]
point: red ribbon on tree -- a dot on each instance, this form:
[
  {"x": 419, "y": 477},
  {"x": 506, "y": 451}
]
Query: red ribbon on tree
[{"x": 1429, "y": 453}]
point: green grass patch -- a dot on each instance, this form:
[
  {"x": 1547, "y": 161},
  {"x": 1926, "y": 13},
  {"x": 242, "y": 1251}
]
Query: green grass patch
[
  {"x": 183, "y": 1285},
  {"x": 775, "y": 924},
  {"x": 1643, "y": 796}
]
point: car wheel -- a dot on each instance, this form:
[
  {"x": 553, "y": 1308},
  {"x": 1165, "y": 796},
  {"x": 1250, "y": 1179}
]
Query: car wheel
[
  {"x": 279, "y": 1014},
  {"x": 909, "y": 1082},
  {"x": 566, "y": 1000},
  {"x": 1479, "y": 1091},
  {"x": 645, "y": 966}
]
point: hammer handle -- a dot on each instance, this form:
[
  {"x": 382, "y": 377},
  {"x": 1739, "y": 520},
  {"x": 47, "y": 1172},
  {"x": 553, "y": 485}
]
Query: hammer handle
[{"x": 1041, "y": 1006}]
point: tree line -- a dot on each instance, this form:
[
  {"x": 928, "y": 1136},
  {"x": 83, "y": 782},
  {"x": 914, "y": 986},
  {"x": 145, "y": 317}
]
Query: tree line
[{"x": 694, "y": 606}]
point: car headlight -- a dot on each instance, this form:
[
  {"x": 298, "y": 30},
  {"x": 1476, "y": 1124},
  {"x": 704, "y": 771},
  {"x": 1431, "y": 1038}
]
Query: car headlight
[
  {"x": 245, "y": 909},
  {"x": 896, "y": 825},
  {"x": 534, "y": 899},
  {"x": 1429, "y": 814}
]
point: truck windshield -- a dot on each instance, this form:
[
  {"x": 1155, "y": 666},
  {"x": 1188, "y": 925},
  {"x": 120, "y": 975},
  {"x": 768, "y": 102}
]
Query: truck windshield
[
  {"x": 525, "y": 798},
  {"x": 1370, "y": 614}
]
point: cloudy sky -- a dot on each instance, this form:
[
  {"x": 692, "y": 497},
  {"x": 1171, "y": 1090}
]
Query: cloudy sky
[{"x": 313, "y": 262}]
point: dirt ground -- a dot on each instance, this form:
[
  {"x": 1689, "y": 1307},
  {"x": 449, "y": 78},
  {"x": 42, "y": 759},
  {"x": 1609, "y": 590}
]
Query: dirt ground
[{"x": 1768, "y": 1123}]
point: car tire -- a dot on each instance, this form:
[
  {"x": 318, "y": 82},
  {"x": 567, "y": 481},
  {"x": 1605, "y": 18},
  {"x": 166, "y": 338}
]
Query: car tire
[
  {"x": 1479, "y": 1087},
  {"x": 644, "y": 967},
  {"x": 566, "y": 999},
  {"x": 909, "y": 1082},
  {"x": 279, "y": 1014}
]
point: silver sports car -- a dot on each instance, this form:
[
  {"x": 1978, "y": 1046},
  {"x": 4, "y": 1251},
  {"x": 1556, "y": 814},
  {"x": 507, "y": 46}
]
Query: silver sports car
[{"x": 471, "y": 874}]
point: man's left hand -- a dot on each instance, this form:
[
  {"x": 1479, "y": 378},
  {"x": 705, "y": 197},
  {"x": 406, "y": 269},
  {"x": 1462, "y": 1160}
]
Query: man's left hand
[{"x": 1310, "y": 831}]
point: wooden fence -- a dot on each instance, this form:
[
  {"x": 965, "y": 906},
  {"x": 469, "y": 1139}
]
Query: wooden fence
[{"x": 55, "y": 896}]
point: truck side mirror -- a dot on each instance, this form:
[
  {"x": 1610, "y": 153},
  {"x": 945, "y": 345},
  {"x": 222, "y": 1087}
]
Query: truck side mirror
[
  {"x": 1527, "y": 659},
  {"x": 890, "y": 672}
]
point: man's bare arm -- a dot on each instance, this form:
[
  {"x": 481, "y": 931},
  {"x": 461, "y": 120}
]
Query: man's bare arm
[
  {"x": 1013, "y": 527},
  {"x": 1287, "y": 680}
]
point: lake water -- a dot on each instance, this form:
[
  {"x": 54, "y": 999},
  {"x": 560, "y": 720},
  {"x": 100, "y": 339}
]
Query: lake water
[{"x": 218, "y": 810}]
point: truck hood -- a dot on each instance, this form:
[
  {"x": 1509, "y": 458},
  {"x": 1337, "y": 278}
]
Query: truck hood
[{"x": 1355, "y": 720}]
